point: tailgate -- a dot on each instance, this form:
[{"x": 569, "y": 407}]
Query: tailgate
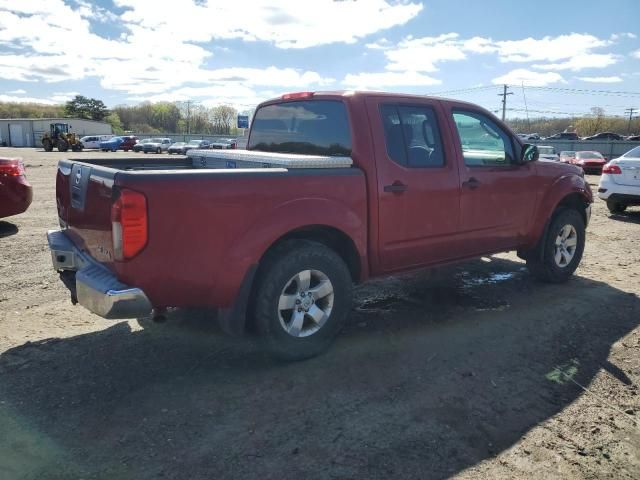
[
  {"x": 84, "y": 196},
  {"x": 630, "y": 173}
]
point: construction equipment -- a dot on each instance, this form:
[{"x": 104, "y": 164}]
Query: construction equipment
[{"x": 61, "y": 138}]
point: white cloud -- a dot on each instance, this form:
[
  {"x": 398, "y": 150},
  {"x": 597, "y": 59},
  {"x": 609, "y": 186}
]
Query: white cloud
[
  {"x": 14, "y": 99},
  {"x": 383, "y": 80},
  {"x": 617, "y": 36},
  {"x": 19, "y": 91},
  {"x": 529, "y": 78},
  {"x": 287, "y": 23},
  {"x": 422, "y": 54},
  {"x": 613, "y": 79},
  {"x": 581, "y": 62},
  {"x": 549, "y": 49},
  {"x": 636, "y": 54}
]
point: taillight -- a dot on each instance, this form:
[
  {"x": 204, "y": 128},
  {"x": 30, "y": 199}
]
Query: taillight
[
  {"x": 11, "y": 167},
  {"x": 611, "y": 169},
  {"x": 295, "y": 95},
  {"x": 129, "y": 222}
]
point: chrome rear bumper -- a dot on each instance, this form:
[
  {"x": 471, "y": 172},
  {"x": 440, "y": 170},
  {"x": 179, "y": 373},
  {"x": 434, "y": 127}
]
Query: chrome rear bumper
[{"x": 97, "y": 289}]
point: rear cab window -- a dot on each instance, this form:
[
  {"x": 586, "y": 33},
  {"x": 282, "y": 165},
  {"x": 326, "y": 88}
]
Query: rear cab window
[
  {"x": 411, "y": 135},
  {"x": 311, "y": 127}
]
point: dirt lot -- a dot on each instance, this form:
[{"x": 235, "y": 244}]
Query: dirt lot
[{"x": 482, "y": 374}]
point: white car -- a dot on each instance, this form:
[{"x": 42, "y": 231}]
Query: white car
[
  {"x": 93, "y": 141},
  {"x": 547, "y": 152},
  {"x": 620, "y": 181}
]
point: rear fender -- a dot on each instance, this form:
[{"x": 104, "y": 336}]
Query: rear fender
[{"x": 248, "y": 249}]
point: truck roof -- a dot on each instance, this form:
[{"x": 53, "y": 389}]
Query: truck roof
[{"x": 353, "y": 93}]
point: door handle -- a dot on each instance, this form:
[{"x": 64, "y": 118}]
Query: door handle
[
  {"x": 396, "y": 187},
  {"x": 472, "y": 183}
]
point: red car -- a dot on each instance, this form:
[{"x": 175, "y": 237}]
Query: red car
[
  {"x": 15, "y": 191},
  {"x": 129, "y": 142},
  {"x": 335, "y": 188},
  {"x": 590, "y": 161}
]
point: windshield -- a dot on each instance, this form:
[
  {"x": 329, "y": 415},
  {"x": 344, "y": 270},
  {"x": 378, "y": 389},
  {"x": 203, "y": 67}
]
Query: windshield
[
  {"x": 317, "y": 127},
  {"x": 546, "y": 151},
  {"x": 179, "y": 144},
  {"x": 155, "y": 140},
  {"x": 589, "y": 155},
  {"x": 634, "y": 152},
  {"x": 568, "y": 154}
]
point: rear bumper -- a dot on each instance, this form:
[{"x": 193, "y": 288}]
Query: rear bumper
[{"x": 96, "y": 288}]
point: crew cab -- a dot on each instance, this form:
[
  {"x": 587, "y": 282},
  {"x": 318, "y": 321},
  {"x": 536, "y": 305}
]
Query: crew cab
[{"x": 333, "y": 189}]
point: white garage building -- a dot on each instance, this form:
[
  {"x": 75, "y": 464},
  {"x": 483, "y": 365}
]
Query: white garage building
[{"x": 27, "y": 132}]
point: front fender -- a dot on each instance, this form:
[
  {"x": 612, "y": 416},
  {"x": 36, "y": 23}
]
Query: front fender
[
  {"x": 248, "y": 249},
  {"x": 554, "y": 195}
]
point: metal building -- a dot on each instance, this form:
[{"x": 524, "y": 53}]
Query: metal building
[{"x": 27, "y": 132}]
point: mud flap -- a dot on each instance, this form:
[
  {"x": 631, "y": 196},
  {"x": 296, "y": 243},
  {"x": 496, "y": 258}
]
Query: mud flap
[{"x": 233, "y": 320}]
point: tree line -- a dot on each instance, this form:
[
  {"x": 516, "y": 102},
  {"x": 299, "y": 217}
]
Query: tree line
[
  {"x": 597, "y": 121},
  {"x": 151, "y": 118}
]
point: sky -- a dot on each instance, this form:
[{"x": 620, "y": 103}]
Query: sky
[{"x": 559, "y": 57}]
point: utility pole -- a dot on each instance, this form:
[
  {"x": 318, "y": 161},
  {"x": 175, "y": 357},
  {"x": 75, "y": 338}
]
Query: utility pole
[
  {"x": 504, "y": 100},
  {"x": 630, "y": 112},
  {"x": 188, "y": 102}
]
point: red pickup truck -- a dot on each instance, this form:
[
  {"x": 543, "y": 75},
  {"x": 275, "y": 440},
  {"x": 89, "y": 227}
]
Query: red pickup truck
[{"x": 334, "y": 188}]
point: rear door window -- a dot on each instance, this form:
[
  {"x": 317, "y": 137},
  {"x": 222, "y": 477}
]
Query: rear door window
[
  {"x": 313, "y": 127},
  {"x": 412, "y": 136}
]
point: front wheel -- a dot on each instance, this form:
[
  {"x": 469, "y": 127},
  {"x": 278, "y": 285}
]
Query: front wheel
[
  {"x": 302, "y": 299},
  {"x": 615, "y": 206},
  {"x": 562, "y": 248},
  {"x": 158, "y": 151}
]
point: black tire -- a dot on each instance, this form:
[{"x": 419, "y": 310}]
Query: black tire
[
  {"x": 62, "y": 146},
  {"x": 146, "y": 151},
  {"x": 47, "y": 145},
  {"x": 542, "y": 264},
  {"x": 277, "y": 270},
  {"x": 159, "y": 150},
  {"x": 615, "y": 206}
]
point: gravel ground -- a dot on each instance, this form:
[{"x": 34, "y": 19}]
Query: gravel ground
[{"x": 480, "y": 373}]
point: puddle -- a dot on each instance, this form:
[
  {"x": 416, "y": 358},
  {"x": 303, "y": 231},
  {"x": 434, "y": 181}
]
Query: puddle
[{"x": 496, "y": 277}]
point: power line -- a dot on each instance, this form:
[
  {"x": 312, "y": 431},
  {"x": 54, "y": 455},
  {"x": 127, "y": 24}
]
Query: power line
[
  {"x": 504, "y": 100},
  {"x": 585, "y": 91}
]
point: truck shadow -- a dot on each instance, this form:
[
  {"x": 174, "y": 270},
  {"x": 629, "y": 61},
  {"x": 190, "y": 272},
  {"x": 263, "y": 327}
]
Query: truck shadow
[
  {"x": 427, "y": 380},
  {"x": 627, "y": 216},
  {"x": 7, "y": 229}
]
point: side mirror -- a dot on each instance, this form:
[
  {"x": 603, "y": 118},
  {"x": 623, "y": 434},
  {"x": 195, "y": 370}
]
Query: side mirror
[{"x": 529, "y": 153}]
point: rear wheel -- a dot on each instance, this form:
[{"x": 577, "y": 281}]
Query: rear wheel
[
  {"x": 159, "y": 150},
  {"x": 562, "y": 248},
  {"x": 615, "y": 206},
  {"x": 47, "y": 145},
  {"x": 303, "y": 296}
]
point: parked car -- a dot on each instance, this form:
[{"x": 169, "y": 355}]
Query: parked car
[
  {"x": 547, "y": 152},
  {"x": 620, "y": 182},
  {"x": 605, "y": 136},
  {"x": 633, "y": 138},
  {"x": 138, "y": 146},
  {"x": 567, "y": 156},
  {"x": 590, "y": 162},
  {"x": 157, "y": 145},
  {"x": 93, "y": 141},
  {"x": 15, "y": 192},
  {"x": 113, "y": 144},
  {"x": 529, "y": 136},
  {"x": 129, "y": 141},
  {"x": 564, "y": 136},
  {"x": 178, "y": 147},
  {"x": 342, "y": 188},
  {"x": 197, "y": 144},
  {"x": 224, "y": 143}
]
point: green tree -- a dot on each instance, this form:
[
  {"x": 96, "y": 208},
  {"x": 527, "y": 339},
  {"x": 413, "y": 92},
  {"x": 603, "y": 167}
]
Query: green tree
[
  {"x": 114, "y": 120},
  {"x": 84, "y": 107}
]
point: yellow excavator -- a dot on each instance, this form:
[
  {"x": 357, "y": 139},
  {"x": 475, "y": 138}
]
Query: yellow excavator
[{"x": 61, "y": 138}]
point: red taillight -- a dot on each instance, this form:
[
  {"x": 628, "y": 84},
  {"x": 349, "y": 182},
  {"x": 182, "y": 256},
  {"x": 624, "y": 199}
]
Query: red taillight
[
  {"x": 129, "y": 224},
  {"x": 611, "y": 169},
  {"x": 11, "y": 167},
  {"x": 292, "y": 96}
]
